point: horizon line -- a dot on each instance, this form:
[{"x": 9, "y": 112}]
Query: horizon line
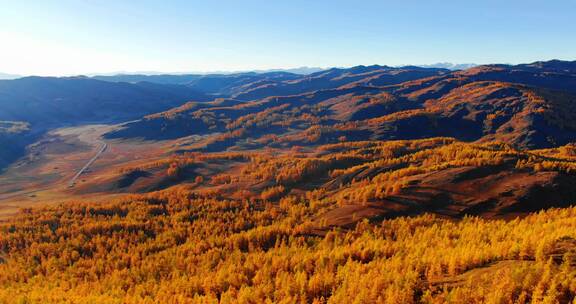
[{"x": 264, "y": 70}]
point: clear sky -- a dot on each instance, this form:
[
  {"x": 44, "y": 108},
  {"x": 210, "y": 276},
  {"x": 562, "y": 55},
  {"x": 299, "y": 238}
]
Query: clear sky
[{"x": 63, "y": 37}]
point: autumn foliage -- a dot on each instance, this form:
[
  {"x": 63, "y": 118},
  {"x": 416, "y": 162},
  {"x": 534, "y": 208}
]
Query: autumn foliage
[
  {"x": 256, "y": 234},
  {"x": 170, "y": 247}
]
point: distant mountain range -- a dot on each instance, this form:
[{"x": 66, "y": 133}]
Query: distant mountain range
[
  {"x": 162, "y": 77},
  {"x": 450, "y": 66},
  {"x": 300, "y": 70},
  {"x": 528, "y": 105},
  {"x": 189, "y": 77},
  {"x": 4, "y": 76}
]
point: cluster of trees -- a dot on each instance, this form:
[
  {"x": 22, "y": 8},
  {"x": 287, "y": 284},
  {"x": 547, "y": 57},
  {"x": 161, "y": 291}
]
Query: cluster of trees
[
  {"x": 556, "y": 107},
  {"x": 282, "y": 170},
  {"x": 558, "y": 159},
  {"x": 221, "y": 179},
  {"x": 273, "y": 193},
  {"x": 176, "y": 247},
  {"x": 396, "y": 165},
  {"x": 371, "y": 170},
  {"x": 284, "y": 118},
  {"x": 260, "y": 119},
  {"x": 316, "y": 134}
]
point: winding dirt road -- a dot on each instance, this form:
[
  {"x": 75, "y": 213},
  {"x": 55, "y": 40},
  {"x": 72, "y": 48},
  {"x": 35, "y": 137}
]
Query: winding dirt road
[{"x": 103, "y": 148}]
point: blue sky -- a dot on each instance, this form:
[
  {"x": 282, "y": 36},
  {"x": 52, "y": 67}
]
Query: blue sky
[{"x": 63, "y": 37}]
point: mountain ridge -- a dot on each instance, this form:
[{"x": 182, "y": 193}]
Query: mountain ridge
[{"x": 409, "y": 109}]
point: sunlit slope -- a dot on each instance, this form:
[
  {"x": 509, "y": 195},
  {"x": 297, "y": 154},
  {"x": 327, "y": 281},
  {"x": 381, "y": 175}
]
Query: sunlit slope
[
  {"x": 176, "y": 246},
  {"x": 527, "y": 106},
  {"x": 373, "y": 179}
]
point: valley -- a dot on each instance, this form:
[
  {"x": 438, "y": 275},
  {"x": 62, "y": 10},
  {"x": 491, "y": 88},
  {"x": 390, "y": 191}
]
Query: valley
[
  {"x": 279, "y": 187},
  {"x": 62, "y": 160}
]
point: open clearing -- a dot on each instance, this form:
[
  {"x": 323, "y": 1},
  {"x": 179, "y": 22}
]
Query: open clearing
[{"x": 64, "y": 156}]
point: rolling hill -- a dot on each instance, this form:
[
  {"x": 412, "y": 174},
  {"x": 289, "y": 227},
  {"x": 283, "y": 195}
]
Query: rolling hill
[
  {"x": 528, "y": 106},
  {"x": 378, "y": 184},
  {"x": 311, "y": 226}
]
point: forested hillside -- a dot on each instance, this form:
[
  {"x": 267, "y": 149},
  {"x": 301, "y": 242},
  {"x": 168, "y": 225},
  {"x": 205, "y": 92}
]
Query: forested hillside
[
  {"x": 363, "y": 185},
  {"x": 177, "y": 247},
  {"x": 317, "y": 226}
]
